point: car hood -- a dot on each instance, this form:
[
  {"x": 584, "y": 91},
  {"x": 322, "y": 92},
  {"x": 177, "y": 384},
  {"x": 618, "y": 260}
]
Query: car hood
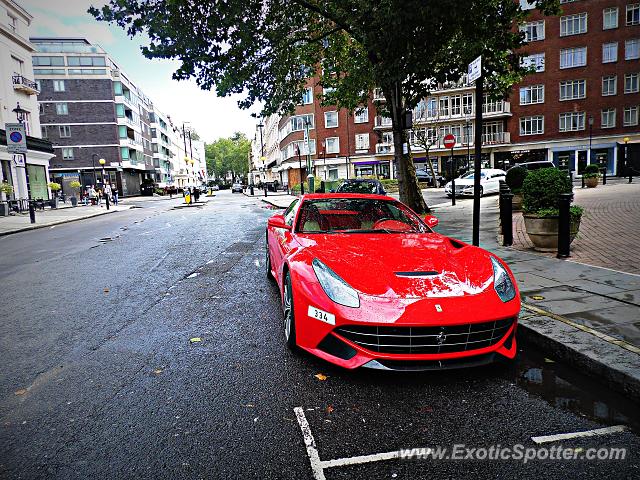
[
  {"x": 461, "y": 182},
  {"x": 425, "y": 265}
]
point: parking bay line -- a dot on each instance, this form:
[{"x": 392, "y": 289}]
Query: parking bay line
[
  {"x": 586, "y": 433},
  {"x": 318, "y": 466}
]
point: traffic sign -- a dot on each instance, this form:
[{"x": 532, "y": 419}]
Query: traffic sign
[
  {"x": 449, "y": 140},
  {"x": 16, "y": 138},
  {"x": 475, "y": 69}
]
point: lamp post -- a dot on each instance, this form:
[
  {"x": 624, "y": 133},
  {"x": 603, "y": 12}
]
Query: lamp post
[
  {"x": 626, "y": 158},
  {"x": 300, "y": 165},
  {"x": 20, "y": 112},
  {"x": 590, "y": 137},
  {"x": 467, "y": 125},
  {"x": 102, "y": 162},
  {"x": 93, "y": 164}
]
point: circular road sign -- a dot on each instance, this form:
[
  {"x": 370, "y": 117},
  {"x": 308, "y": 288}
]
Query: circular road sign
[
  {"x": 449, "y": 140},
  {"x": 16, "y": 137}
]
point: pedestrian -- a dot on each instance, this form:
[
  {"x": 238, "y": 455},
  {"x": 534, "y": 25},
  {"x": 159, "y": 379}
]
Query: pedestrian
[
  {"x": 92, "y": 195},
  {"x": 196, "y": 193},
  {"x": 107, "y": 191},
  {"x": 99, "y": 197},
  {"x": 85, "y": 197},
  {"x": 115, "y": 195}
]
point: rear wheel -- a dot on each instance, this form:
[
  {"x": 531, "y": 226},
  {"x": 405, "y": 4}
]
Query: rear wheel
[
  {"x": 289, "y": 318},
  {"x": 267, "y": 260}
]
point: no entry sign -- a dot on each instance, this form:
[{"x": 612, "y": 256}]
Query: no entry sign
[{"x": 449, "y": 140}]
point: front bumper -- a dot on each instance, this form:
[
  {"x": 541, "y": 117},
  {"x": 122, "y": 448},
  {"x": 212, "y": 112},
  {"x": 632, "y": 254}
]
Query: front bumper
[{"x": 456, "y": 339}]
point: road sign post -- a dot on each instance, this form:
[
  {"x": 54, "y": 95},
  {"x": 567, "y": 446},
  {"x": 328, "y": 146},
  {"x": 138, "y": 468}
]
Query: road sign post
[
  {"x": 449, "y": 142},
  {"x": 475, "y": 74}
]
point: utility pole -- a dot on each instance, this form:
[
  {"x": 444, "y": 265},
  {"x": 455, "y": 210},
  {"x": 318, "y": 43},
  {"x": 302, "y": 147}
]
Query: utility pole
[{"x": 475, "y": 69}]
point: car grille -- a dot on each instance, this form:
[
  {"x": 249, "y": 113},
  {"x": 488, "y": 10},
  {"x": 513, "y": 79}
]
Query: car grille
[{"x": 441, "y": 339}]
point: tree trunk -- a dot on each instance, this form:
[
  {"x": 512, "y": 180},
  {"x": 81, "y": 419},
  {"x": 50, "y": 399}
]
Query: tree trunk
[{"x": 408, "y": 187}]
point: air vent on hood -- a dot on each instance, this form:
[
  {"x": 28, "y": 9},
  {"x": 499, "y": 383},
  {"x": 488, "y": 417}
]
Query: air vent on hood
[
  {"x": 455, "y": 243},
  {"x": 428, "y": 273}
]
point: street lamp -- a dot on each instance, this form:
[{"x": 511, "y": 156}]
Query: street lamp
[
  {"x": 20, "y": 112},
  {"x": 590, "y": 137},
  {"x": 93, "y": 164},
  {"x": 102, "y": 161}
]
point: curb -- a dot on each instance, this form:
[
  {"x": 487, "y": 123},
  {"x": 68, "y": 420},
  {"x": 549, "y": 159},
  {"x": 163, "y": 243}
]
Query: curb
[
  {"x": 59, "y": 222},
  {"x": 271, "y": 203},
  {"x": 614, "y": 366}
]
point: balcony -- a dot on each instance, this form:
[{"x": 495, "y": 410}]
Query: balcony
[
  {"x": 383, "y": 148},
  {"x": 497, "y": 138},
  {"x": 24, "y": 85}
]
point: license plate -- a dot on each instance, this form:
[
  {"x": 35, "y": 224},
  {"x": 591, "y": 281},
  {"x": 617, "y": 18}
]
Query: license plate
[{"x": 321, "y": 315}]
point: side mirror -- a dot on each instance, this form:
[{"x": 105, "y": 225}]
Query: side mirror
[
  {"x": 431, "y": 221},
  {"x": 277, "y": 221}
]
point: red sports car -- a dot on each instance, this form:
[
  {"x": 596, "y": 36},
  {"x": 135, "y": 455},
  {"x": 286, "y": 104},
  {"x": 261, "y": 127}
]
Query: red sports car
[{"x": 366, "y": 282}]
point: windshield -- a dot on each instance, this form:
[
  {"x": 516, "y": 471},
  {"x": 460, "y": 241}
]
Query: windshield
[
  {"x": 358, "y": 215},
  {"x": 358, "y": 187},
  {"x": 469, "y": 176}
]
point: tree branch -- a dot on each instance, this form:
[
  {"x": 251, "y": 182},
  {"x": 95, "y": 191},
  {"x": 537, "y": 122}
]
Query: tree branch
[{"x": 329, "y": 16}]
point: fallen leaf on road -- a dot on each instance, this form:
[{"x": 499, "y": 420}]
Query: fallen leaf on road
[
  {"x": 250, "y": 405},
  {"x": 157, "y": 371},
  {"x": 330, "y": 409},
  {"x": 106, "y": 290},
  {"x": 195, "y": 340},
  {"x": 537, "y": 297},
  {"x": 22, "y": 391},
  {"x": 321, "y": 377},
  {"x": 548, "y": 360}
]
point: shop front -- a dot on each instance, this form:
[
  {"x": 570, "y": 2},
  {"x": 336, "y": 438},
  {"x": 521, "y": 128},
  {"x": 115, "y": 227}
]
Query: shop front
[{"x": 373, "y": 168}]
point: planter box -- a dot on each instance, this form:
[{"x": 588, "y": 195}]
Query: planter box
[
  {"x": 74, "y": 201},
  {"x": 4, "y": 209},
  {"x": 54, "y": 202},
  {"x": 591, "y": 182},
  {"x": 516, "y": 202},
  {"x": 543, "y": 232}
]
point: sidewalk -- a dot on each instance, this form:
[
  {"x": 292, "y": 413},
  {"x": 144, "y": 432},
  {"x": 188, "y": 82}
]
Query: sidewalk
[
  {"x": 277, "y": 199},
  {"x": 587, "y": 316},
  {"x": 21, "y": 222}
]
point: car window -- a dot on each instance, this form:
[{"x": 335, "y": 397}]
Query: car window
[
  {"x": 290, "y": 212},
  {"x": 357, "y": 187},
  {"x": 357, "y": 215}
]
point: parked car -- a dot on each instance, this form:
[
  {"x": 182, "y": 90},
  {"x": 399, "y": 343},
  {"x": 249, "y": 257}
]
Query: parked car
[
  {"x": 535, "y": 165},
  {"x": 215, "y": 188},
  {"x": 425, "y": 176},
  {"x": 365, "y": 282},
  {"x": 361, "y": 185},
  {"x": 236, "y": 188},
  {"x": 489, "y": 182}
]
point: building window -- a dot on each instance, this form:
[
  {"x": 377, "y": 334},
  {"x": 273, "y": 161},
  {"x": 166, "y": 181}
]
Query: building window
[
  {"x": 633, "y": 14},
  {"x": 58, "y": 86},
  {"x": 610, "y": 18},
  {"x": 573, "y": 89},
  {"x": 307, "y": 96},
  {"x": 328, "y": 90},
  {"x": 573, "y": 24},
  {"x": 13, "y": 23},
  {"x": 86, "y": 61},
  {"x": 67, "y": 153},
  {"x": 609, "y": 52},
  {"x": 533, "y": 31},
  {"x": 361, "y": 115},
  {"x": 456, "y": 102},
  {"x": 572, "y": 121},
  {"x": 609, "y": 85},
  {"x": 632, "y": 49},
  {"x": 444, "y": 106},
  {"x": 609, "y": 118},
  {"x": 573, "y": 57},
  {"x": 43, "y": 131},
  {"x": 332, "y": 144},
  {"x": 630, "y": 116},
  {"x": 117, "y": 88},
  {"x": 532, "y": 94},
  {"x": 631, "y": 83},
  {"x": 536, "y": 61},
  {"x": 532, "y": 125},
  {"x": 362, "y": 141},
  {"x": 64, "y": 131},
  {"x": 333, "y": 174},
  {"x": 62, "y": 109},
  {"x": 330, "y": 119}
]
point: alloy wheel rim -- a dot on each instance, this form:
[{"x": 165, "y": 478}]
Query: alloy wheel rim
[{"x": 287, "y": 312}]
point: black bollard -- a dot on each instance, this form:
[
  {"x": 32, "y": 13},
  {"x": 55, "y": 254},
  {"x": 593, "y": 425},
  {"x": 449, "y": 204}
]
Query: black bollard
[
  {"x": 106, "y": 198},
  {"x": 582, "y": 182},
  {"x": 604, "y": 176},
  {"x": 630, "y": 173},
  {"x": 564, "y": 224},
  {"x": 32, "y": 212}
]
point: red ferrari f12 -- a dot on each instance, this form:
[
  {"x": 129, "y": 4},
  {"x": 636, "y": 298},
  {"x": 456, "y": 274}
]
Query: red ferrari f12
[{"x": 366, "y": 282}]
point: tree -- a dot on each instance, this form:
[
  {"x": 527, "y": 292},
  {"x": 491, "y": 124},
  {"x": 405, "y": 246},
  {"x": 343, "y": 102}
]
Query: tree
[
  {"x": 228, "y": 155},
  {"x": 267, "y": 50}
]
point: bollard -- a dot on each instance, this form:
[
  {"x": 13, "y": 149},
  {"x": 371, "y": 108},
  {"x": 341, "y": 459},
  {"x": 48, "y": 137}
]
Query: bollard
[
  {"x": 265, "y": 189},
  {"x": 604, "y": 176},
  {"x": 32, "y": 212},
  {"x": 582, "y": 182},
  {"x": 107, "y": 201},
  {"x": 564, "y": 224},
  {"x": 630, "y": 173},
  {"x": 251, "y": 190}
]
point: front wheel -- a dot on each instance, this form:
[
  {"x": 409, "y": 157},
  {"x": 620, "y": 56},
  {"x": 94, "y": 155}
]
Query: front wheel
[{"x": 289, "y": 317}]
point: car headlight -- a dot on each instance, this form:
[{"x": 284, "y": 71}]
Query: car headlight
[
  {"x": 502, "y": 282},
  {"x": 335, "y": 287}
]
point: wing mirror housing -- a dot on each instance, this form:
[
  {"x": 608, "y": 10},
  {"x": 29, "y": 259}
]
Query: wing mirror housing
[
  {"x": 277, "y": 221},
  {"x": 431, "y": 221}
]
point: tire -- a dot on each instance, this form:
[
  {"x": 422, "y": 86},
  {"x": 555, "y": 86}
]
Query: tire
[
  {"x": 289, "y": 317},
  {"x": 267, "y": 260}
]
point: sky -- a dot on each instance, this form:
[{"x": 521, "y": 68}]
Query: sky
[{"x": 210, "y": 116}]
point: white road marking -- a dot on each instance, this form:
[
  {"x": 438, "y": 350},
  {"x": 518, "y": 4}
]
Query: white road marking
[
  {"x": 376, "y": 457},
  {"x": 312, "y": 451},
  {"x": 257, "y": 263},
  {"x": 586, "y": 433}
]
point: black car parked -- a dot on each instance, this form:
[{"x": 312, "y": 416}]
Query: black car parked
[
  {"x": 425, "y": 176},
  {"x": 362, "y": 185}
]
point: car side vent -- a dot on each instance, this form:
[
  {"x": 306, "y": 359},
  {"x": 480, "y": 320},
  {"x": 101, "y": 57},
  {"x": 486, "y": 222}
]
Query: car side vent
[
  {"x": 428, "y": 273},
  {"x": 456, "y": 244}
]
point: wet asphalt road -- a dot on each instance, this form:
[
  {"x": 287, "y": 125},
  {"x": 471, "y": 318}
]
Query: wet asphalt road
[{"x": 99, "y": 378}]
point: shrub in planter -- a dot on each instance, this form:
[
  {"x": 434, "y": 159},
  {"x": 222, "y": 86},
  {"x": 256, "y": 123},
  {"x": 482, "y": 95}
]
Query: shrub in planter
[
  {"x": 514, "y": 179},
  {"x": 5, "y": 188},
  {"x": 75, "y": 185},
  {"x": 591, "y": 174},
  {"x": 540, "y": 191},
  {"x": 55, "y": 188}
]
